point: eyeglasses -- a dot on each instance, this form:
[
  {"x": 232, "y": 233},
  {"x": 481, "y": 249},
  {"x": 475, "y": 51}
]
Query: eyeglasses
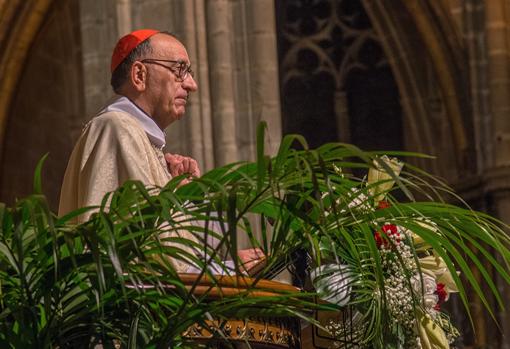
[{"x": 181, "y": 70}]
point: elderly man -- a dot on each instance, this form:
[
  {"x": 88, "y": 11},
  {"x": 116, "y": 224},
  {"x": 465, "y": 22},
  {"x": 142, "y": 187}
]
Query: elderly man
[
  {"x": 152, "y": 74},
  {"x": 151, "y": 71}
]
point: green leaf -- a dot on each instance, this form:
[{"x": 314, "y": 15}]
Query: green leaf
[{"x": 38, "y": 175}]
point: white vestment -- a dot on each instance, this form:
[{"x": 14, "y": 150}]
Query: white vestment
[
  {"x": 119, "y": 144},
  {"x": 113, "y": 148}
]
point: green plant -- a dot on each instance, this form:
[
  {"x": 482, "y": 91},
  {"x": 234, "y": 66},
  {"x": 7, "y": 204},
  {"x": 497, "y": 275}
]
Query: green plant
[{"x": 115, "y": 276}]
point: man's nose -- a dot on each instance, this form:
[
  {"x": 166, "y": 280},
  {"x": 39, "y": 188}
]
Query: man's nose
[{"x": 189, "y": 84}]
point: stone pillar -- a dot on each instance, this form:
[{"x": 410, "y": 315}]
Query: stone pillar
[
  {"x": 497, "y": 28},
  {"x": 202, "y": 109},
  {"x": 262, "y": 62},
  {"x": 342, "y": 116},
  {"x": 220, "y": 37},
  {"x": 497, "y": 188},
  {"x": 232, "y": 44},
  {"x": 497, "y": 31},
  {"x": 124, "y": 19},
  {"x": 98, "y": 21},
  {"x": 474, "y": 37}
]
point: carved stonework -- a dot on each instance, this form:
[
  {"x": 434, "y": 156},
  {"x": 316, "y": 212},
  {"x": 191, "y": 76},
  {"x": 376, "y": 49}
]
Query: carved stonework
[{"x": 335, "y": 79}]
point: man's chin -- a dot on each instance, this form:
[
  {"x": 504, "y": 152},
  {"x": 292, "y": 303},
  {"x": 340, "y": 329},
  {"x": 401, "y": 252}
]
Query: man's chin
[
  {"x": 179, "y": 113},
  {"x": 173, "y": 117}
]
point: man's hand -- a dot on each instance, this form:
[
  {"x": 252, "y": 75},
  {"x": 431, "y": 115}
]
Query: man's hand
[
  {"x": 178, "y": 165},
  {"x": 252, "y": 259}
]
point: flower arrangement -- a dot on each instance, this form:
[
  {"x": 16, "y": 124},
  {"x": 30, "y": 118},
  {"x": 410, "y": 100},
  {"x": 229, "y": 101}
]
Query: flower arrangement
[
  {"x": 392, "y": 263},
  {"x": 414, "y": 280},
  {"x": 415, "y": 307}
]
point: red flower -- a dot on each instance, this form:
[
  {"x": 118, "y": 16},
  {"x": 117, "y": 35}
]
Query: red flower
[
  {"x": 387, "y": 230},
  {"x": 390, "y": 229},
  {"x": 442, "y": 294},
  {"x": 383, "y": 204},
  {"x": 379, "y": 241}
]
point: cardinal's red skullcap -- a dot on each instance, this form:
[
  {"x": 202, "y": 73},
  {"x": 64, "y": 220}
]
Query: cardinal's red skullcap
[{"x": 128, "y": 43}]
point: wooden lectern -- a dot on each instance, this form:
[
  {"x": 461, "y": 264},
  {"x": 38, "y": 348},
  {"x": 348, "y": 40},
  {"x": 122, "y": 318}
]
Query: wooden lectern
[{"x": 260, "y": 333}]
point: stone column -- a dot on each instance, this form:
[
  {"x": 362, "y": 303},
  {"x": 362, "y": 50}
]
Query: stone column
[
  {"x": 262, "y": 64},
  {"x": 220, "y": 37},
  {"x": 496, "y": 126},
  {"x": 497, "y": 31},
  {"x": 98, "y": 21},
  {"x": 124, "y": 18},
  {"x": 474, "y": 37},
  {"x": 342, "y": 116},
  {"x": 497, "y": 188}
]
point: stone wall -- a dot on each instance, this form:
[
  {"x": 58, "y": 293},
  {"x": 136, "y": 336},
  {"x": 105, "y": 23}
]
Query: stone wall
[{"x": 46, "y": 110}]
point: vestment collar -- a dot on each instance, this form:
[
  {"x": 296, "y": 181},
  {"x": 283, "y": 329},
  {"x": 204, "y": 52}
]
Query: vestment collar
[{"x": 155, "y": 134}]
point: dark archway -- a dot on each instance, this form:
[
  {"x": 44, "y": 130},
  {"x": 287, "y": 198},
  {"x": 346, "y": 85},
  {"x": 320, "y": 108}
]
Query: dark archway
[{"x": 45, "y": 112}]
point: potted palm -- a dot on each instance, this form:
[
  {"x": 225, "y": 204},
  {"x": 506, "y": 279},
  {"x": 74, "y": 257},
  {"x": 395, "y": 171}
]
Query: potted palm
[{"x": 115, "y": 280}]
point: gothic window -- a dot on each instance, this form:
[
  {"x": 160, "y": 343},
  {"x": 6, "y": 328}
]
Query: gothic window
[{"x": 335, "y": 81}]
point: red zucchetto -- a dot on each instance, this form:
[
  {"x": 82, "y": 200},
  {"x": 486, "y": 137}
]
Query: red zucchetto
[{"x": 128, "y": 43}]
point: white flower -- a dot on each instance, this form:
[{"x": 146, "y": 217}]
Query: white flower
[
  {"x": 379, "y": 179},
  {"x": 358, "y": 198},
  {"x": 426, "y": 287},
  {"x": 333, "y": 283}
]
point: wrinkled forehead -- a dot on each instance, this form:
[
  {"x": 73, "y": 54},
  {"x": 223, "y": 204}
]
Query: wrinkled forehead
[{"x": 167, "y": 47}]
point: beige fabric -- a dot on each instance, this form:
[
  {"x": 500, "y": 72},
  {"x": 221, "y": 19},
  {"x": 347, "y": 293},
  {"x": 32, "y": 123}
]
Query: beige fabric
[{"x": 112, "y": 149}]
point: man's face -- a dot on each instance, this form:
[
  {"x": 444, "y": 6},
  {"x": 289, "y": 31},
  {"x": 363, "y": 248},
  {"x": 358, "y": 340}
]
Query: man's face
[{"x": 165, "y": 94}]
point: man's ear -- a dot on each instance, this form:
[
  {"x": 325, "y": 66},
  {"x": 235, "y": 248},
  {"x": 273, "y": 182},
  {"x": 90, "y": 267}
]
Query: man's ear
[{"x": 139, "y": 76}]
